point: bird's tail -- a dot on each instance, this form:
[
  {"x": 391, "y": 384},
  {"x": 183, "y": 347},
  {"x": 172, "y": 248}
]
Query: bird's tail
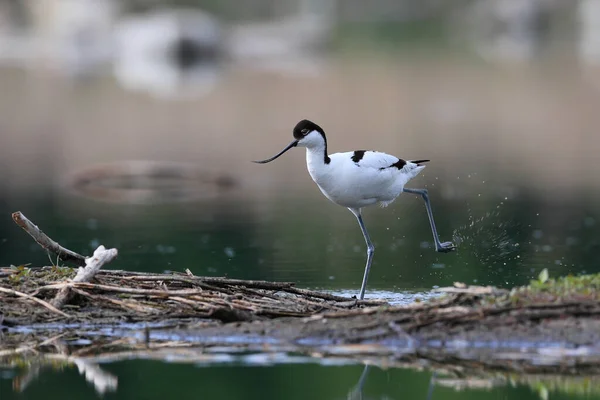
[
  {"x": 418, "y": 162},
  {"x": 413, "y": 168}
]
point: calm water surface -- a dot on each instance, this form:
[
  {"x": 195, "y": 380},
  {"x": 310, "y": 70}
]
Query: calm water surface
[
  {"x": 256, "y": 378},
  {"x": 304, "y": 238}
]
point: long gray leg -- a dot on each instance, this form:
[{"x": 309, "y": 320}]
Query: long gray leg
[
  {"x": 444, "y": 247},
  {"x": 370, "y": 250}
]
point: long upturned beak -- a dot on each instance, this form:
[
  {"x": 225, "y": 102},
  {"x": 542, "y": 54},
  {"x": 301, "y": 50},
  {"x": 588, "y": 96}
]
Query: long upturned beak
[{"x": 289, "y": 146}]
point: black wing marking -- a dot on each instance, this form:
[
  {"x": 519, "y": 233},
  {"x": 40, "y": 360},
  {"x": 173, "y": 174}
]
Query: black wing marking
[{"x": 358, "y": 155}]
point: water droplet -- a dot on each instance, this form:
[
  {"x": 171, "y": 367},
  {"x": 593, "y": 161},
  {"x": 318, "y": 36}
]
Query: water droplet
[
  {"x": 537, "y": 234},
  {"x": 229, "y": 252},
  {"x": 94, "y": 243},
  {"x": 92, "y": 224},
  {"x": 589, "y": 221}
]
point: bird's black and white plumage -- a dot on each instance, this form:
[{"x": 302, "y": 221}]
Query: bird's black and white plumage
[{"x": 357, "y": 179}]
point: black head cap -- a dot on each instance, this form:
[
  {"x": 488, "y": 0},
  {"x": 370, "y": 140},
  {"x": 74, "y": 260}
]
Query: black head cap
[{"x": 305, "y": 127}]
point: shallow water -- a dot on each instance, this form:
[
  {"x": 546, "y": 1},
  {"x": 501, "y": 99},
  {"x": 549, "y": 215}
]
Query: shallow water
[
  {"x": 308, "y": 240},
  {"x": 276, "y": 376}
]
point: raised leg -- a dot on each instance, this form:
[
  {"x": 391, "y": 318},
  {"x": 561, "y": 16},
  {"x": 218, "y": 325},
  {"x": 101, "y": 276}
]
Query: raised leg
[
  {"x": 444, "y": 247},
  {"x": 370, "y": 250}
]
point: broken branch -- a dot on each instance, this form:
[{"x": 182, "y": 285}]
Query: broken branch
[
  {"x": 39, "y": 301},
  {"x": 93, "y": 264},
  {"x": 43, "y": 240}
]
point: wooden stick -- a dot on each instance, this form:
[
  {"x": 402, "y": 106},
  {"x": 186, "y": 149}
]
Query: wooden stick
[
  {"x": 93, "y": 264},
  {"x": 43, "y": 240},
  {"x": 39, "y": 301},
  {"x": 120, "y": 303},
  {"x": 85, "y": 285},
  {"x": 31, "y": 347},
  {"x": 210, "y": 280},
  {"x": 331, "y": 297}
]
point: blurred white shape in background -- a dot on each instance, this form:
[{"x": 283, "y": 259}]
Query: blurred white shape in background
[
  {"x": 588, "y": 13},
  {"x": 73, "y": 37},
  {"x": 508, "y": 30},
  {"x": 80, "y": 37},
  {"x": 292, "y": 44},
  {"x": 15, "y": 43},
  {"x": 169, "y": 53},
  {"x": 166, "y": 52}
]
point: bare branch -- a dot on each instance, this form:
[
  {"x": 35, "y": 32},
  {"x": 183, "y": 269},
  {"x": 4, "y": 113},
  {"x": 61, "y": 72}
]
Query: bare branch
[
  {"x": 93, "y": 264},
  {"x": 43, "y": 240},
  {"x": 39, "y": 301}
]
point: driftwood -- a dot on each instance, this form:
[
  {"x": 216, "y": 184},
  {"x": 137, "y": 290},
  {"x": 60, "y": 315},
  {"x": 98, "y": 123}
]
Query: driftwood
[
  {"x": 93, "y": 264},
  {"x": 43, "y": 240},
  {"x": 136, "y": 296},
  {"x": 117, "y": 295},
  {"x": 32, "y": 298}
]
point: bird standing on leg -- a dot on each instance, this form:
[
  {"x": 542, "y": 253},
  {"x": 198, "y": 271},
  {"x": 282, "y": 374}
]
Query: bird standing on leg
[{"x": 357, "y": 179}]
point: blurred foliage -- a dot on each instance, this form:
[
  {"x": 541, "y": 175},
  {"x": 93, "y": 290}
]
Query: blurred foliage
[
  {"x": 583, "y": 287},
  {"x": 393, "y": 36}
]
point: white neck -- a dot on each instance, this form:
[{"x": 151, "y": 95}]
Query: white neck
[{"x": 315, "y": 155}]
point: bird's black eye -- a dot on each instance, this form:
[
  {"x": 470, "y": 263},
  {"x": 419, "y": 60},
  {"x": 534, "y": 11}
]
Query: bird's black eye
[{"x": 304, "y": 131}]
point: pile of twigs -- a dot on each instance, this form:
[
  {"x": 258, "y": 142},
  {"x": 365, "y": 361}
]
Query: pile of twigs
[
  {"x": 109, "y": 295},
  {"x": 137, "y": 296}
]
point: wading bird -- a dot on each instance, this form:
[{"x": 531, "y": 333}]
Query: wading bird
[{"x": 357, "y": 179}]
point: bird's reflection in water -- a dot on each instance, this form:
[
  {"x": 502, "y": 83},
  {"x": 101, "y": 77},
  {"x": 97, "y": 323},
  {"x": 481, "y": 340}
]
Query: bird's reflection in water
[
  {"x": 431, "y": 386},
  {"x": 357, "y": 391}
]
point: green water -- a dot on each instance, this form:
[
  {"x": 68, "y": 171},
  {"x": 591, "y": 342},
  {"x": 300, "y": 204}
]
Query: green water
[
  {"x": 156, "y": 380},
  {"x": 304, "y": 238}
]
